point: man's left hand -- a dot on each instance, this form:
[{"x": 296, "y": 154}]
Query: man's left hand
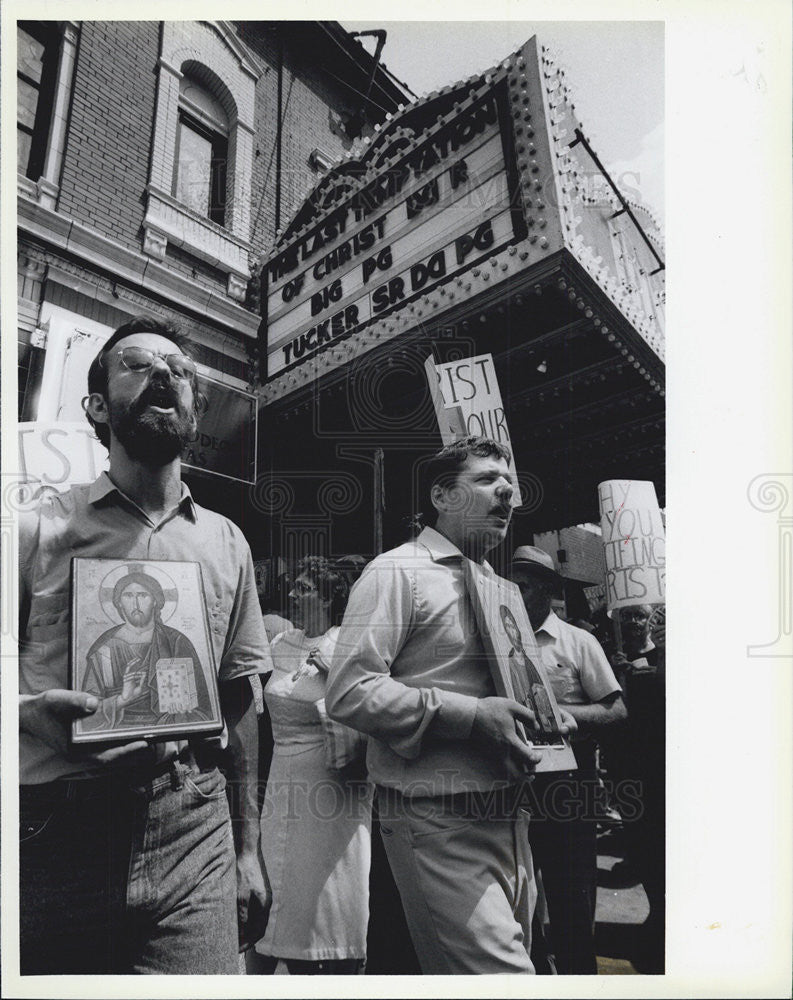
[{"x": 254, "y": 899}]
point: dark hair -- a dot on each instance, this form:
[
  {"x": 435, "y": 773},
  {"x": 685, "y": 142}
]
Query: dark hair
[
  {"x": 144, "y": 580},
  {"x": 351, "y": 567},
  {"x": 443, "y": 468},
  {"x": 97, "y": 373},
  {"x": 331, "y": 584}
]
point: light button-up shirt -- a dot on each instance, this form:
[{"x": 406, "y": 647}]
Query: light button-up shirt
[
  {"x": 409, "y": 669},
  {"x": 575, "y": 663}
]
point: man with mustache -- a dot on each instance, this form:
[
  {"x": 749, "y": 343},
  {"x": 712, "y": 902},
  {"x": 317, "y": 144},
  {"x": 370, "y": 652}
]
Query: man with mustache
[
  {"x": 410, "y": 669},
  {"x": 127, "y": 856},
  {"x": 122, "y": 663}
]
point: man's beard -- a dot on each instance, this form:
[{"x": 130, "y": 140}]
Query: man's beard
[
  {"x": 538, "y": 610},
  {"x": 150, "y": 437},
  {"x": 635, "y": 636}
]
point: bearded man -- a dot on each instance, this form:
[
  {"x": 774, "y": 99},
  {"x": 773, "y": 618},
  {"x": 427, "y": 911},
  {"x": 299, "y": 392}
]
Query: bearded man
[{"x": 127, "y": 860}]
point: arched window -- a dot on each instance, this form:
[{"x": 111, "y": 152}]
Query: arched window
[
  {"x": 199, "y": 191},
  {"x": 200, "y": 164}
]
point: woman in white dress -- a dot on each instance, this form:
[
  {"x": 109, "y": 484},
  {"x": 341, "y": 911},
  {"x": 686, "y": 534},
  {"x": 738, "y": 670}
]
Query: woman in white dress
[{"x": 316, "y": 820}]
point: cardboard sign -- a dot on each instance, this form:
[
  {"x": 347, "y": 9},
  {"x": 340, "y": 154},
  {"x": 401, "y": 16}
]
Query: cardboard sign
[
  {"x": 467, "y": 400},
  {"x": 54, "y": 456},
  {"x": 634, "y": 543}
]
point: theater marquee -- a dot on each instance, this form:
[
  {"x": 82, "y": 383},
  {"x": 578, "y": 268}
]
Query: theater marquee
[
  {"x": 420, "y": 208},
  {"x": 479, "y": 193}
]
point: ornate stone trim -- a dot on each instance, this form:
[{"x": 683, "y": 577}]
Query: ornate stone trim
[
  {"x": 102, "y": 256},
  {"x": 168, "y": 221}
]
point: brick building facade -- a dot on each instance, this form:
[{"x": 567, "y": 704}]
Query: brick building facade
[{"x": 156, "y": 162}]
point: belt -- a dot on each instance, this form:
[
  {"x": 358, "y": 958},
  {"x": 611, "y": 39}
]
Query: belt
[
  {"x": 495, "y": 803},
  {"x": 64, "y": 790}
]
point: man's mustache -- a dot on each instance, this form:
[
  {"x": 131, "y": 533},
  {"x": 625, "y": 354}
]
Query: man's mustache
[{"x": 156, "y": 394}]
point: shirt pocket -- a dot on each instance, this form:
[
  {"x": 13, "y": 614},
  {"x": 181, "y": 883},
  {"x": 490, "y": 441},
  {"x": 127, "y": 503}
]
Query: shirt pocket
[
  {"x": 565, "y": 682},
  {"x": 49, "y": 610}
]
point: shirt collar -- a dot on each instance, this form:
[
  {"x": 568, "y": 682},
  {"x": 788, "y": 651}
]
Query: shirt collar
[
  {"x": 440, "y": 548},
  {"x": 550, "y": 625},
  {"x": 104, "y": 487}
]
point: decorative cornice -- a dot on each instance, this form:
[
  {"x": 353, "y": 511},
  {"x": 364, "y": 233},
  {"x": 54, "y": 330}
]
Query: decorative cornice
[
  {"x": 247, "y": 60},
  {"x": 183, "y": 227},
  {"x": 137, "y": 270},
  {"x": 163, "y": 63}
]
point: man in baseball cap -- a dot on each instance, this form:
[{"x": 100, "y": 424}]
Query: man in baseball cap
[{"x": 563, "y": 831}]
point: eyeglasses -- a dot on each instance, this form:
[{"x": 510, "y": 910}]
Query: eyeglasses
[
  {"x": 301, "y": 589},
  {"x": 141, "y": 359}
]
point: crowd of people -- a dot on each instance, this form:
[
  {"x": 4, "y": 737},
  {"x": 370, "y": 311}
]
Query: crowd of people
[{"x": 369, "y": 803}]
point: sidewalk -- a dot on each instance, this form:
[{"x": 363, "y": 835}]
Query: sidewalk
[{"x": 621, "y": 909}]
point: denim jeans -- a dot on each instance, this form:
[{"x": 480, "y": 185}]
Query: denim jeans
[{"x": 125, "y": 877}]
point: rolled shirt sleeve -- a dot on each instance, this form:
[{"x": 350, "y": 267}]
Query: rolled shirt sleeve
[
  {"x": 597, "y": 677},
  {"x": 246, "y": 649},
  {"x": 380, "y": 680}
]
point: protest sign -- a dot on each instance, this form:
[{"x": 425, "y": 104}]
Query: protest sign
[
  {"x": 54, "y": 455},
  {"x": 467, "y": 400},
  {"x": 634, "y": 543}
]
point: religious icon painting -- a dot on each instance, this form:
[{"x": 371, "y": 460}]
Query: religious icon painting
[
  {"x": 515, "y": 663},
  {"x": 140, "y": 643}
]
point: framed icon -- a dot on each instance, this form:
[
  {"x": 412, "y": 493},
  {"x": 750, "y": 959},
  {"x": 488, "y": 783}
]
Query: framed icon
[
  {"x": 140, "y": 643},
  {"x": 515, "y": 663}
]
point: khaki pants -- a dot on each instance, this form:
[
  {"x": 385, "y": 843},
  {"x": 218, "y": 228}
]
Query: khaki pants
[{"x": 466, "y": 881}]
